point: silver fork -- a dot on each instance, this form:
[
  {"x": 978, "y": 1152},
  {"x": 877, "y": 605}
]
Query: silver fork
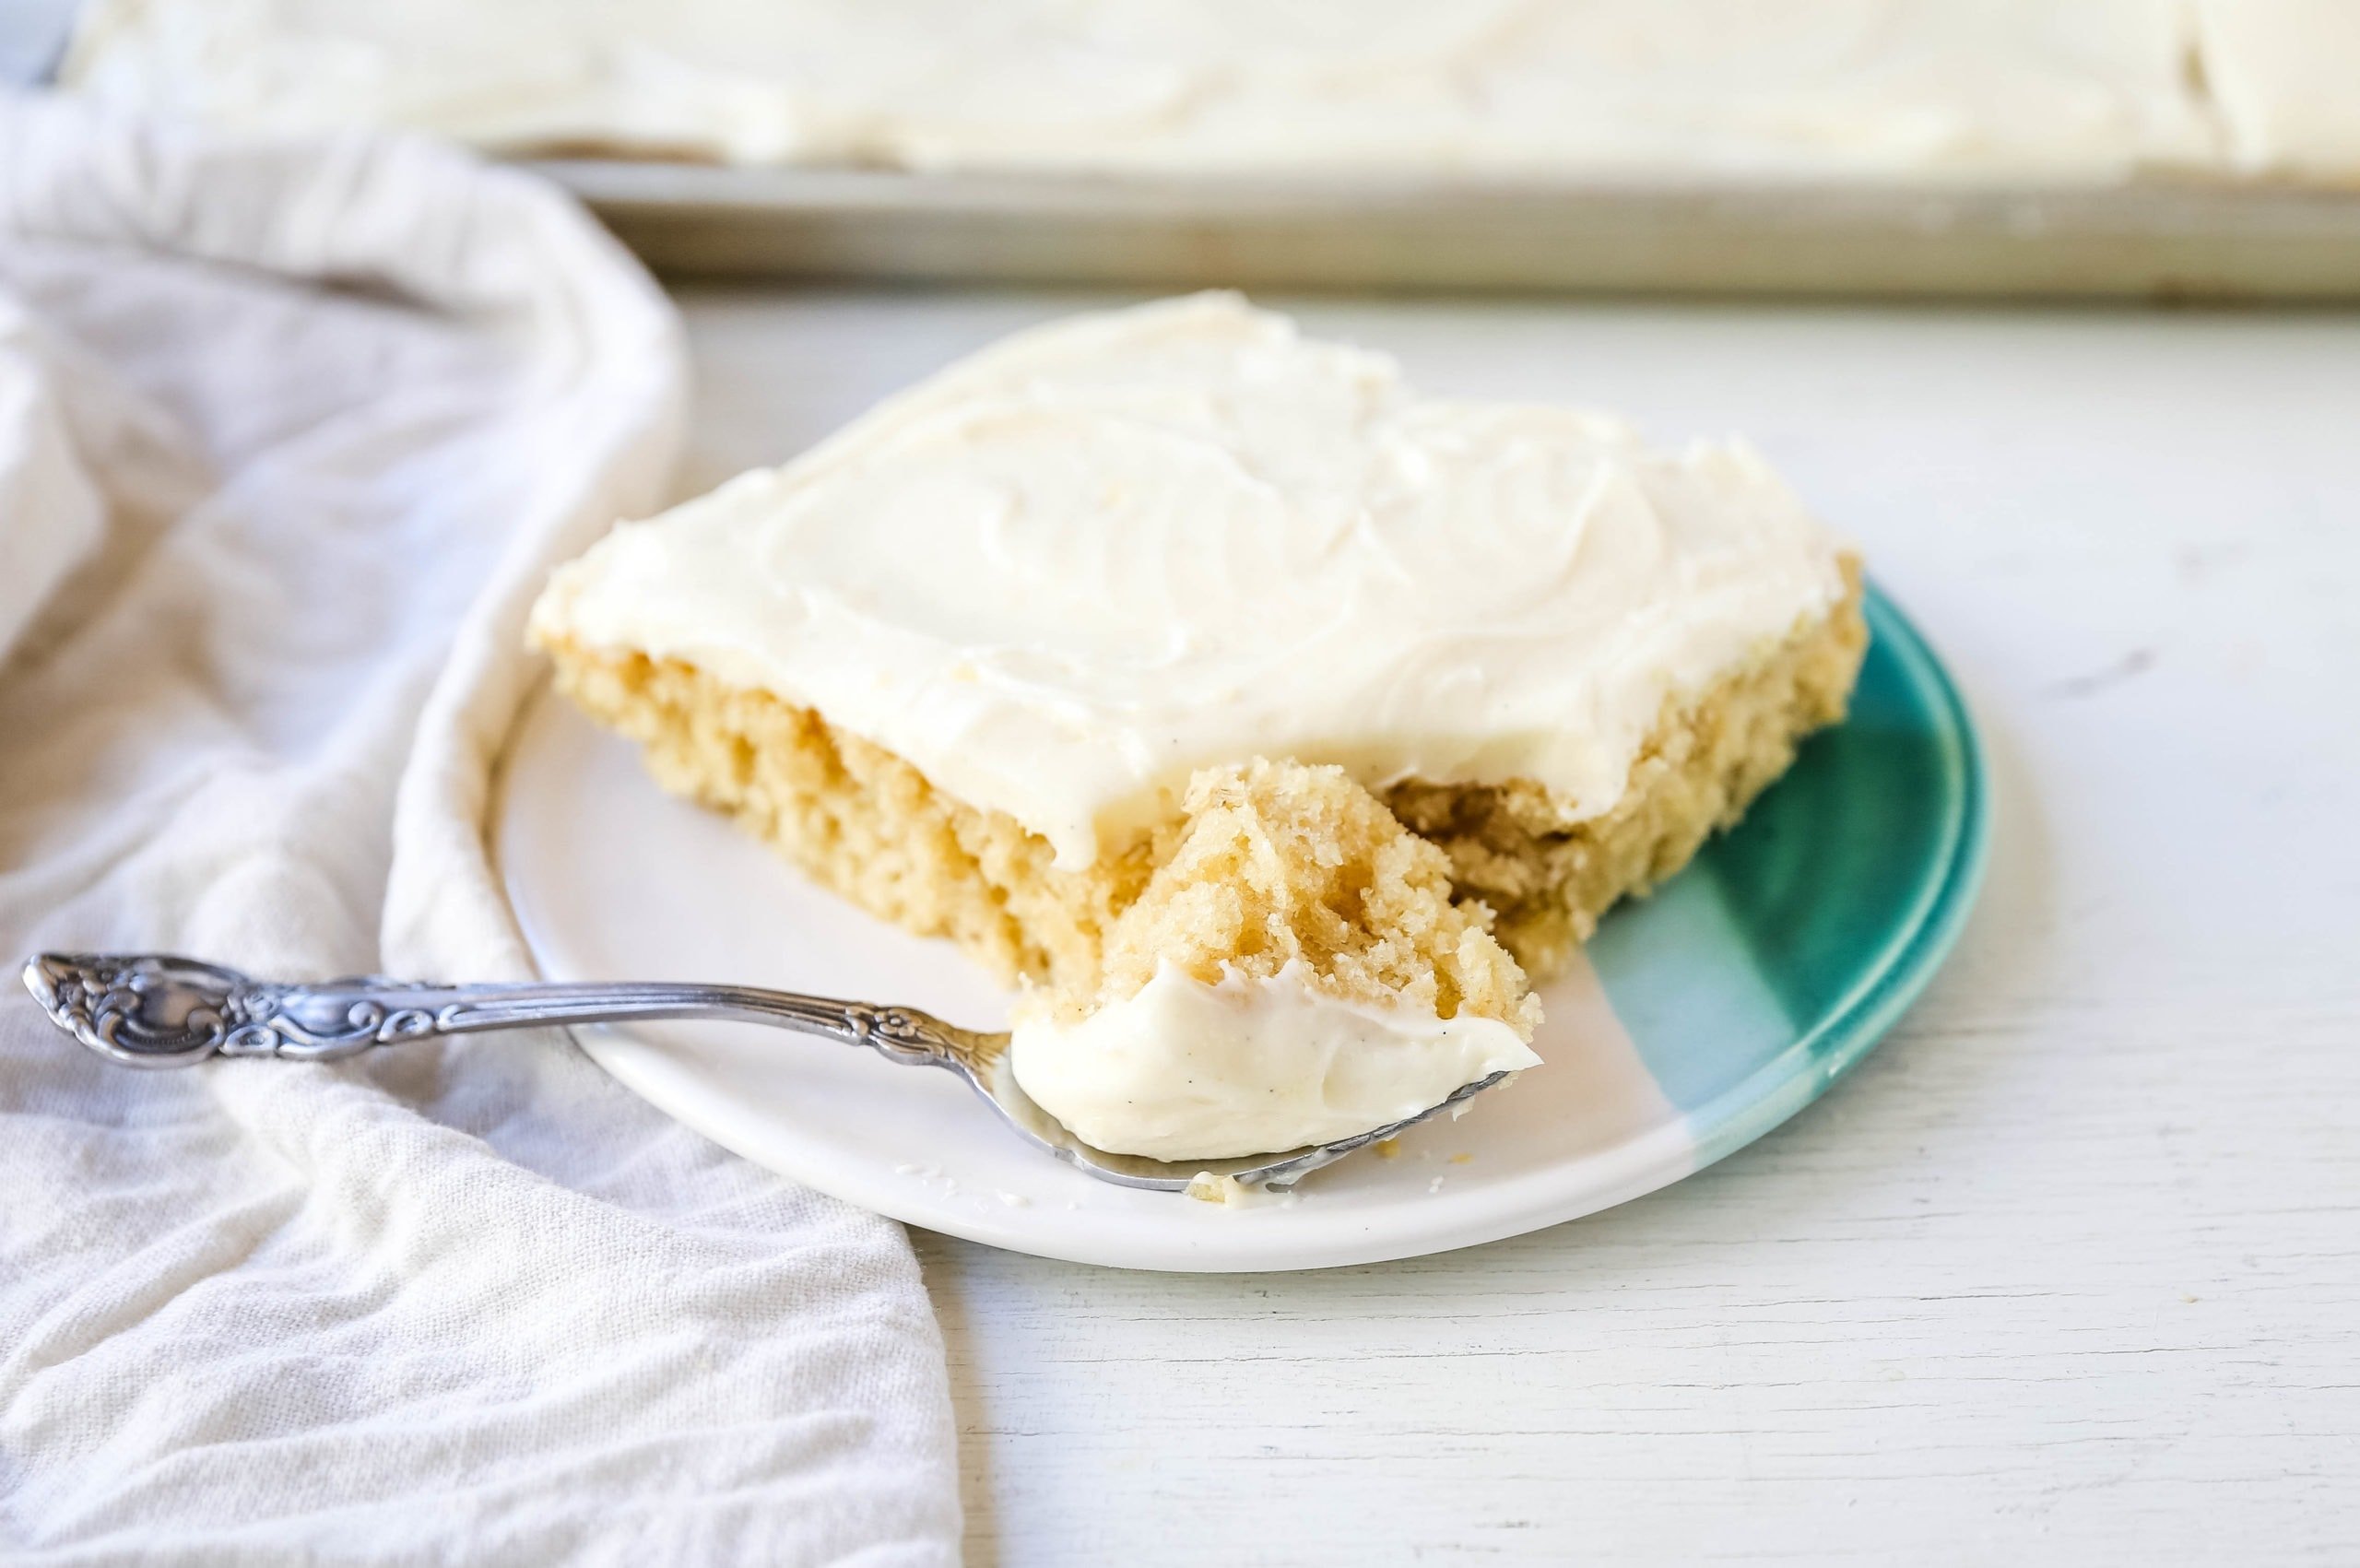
[{"x": 157, "y": 1010}]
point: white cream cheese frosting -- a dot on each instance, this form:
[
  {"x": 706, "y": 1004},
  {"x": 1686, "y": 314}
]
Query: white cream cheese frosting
[
  {"x": 2286, "y": 76},
  {"x": 1186, "y": 1070},
  {"x": 1064, "y": 575},
  {"x": 1061, "y": 576},
  {"x": 1919, "y": 88}
]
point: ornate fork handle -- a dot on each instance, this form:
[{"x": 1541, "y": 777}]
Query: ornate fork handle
[{"x": 157, "y": 1010}]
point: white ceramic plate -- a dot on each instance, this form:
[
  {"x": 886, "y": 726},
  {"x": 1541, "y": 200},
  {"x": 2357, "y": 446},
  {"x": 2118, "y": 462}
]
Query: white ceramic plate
[{"x": 612, "y": 880}]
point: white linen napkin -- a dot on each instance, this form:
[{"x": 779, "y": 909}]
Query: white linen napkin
[{"x": 284, "y": 431}]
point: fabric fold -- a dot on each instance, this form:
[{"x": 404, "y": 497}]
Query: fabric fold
[{"x": 288, "y": 434}]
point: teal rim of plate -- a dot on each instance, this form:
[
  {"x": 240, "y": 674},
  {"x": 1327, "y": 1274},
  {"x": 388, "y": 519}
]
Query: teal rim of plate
[{"x": 1914, "y": 946}]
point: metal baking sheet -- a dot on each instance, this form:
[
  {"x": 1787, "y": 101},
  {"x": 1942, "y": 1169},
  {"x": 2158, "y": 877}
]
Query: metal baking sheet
[{"x": 2133, "y": 241}]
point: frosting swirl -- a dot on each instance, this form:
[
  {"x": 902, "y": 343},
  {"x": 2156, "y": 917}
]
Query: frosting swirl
[{"x": 1062, "y": 575}]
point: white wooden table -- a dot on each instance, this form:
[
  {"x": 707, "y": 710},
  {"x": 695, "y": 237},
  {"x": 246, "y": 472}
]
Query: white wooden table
[{"x": 2070, "y": 1271}]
